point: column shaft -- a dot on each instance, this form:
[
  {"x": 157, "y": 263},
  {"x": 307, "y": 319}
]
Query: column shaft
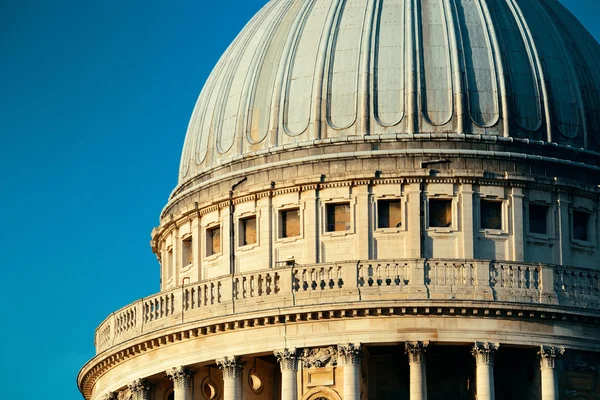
[
  {"x": 288, "y": 361},
  {"x": 548, "y": 356},
  {"x": 418, "y": 370},
  {"x": 232, "y": 368},
  {"x": 350, "y": 356},
  {"x": 484, "y": 375}
]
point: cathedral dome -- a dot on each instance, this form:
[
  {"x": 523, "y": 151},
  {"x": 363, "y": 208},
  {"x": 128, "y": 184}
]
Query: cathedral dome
[{"x": 307, "y": 73}]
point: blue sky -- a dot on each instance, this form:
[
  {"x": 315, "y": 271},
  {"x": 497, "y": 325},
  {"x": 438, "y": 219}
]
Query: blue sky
[{"x": 95, "y": 97}]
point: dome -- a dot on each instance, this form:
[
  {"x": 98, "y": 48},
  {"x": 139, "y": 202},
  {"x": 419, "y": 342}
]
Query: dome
[{"x": 308, "y": 73}]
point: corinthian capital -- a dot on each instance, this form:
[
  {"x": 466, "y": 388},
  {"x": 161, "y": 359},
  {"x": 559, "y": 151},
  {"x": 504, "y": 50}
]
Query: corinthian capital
[
  {"x": 416, "y": 351},
  {"x": 181, "y": 377},
  {"x": 232, "y": 367},
  {"x": 288, "y": 359},
  {"x": 140, "y": 388},
  {"x": 349, "y": 353},
  {"x": 484, "y": 352},
  {"x": 548, "y": 356}
]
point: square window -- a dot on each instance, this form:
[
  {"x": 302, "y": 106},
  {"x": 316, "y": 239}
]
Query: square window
[
  {"x": 213, "y": 241},
  {"x": 290, "y": 222},
  {"x": 491, "y": 214},
  {"x": 538, "y": 218},
  {"x": 248, "y": 231},
  {"x": 581, "y": 222},
  {"x": 338, "y": 217},
  {"x": 440, "y": 213},
  {"x": 389, "y": 214},
  {"x": 186, "y": 251}
]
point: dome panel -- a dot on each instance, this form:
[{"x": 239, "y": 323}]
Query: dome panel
[
  {"x": 389, "y": 64},
  {"x": 305, "y": 70}
]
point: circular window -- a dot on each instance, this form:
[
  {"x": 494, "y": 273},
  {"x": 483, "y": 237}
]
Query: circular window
[
  {"x": 255, "y": 381},
  {"x": 210, "y": 390}
]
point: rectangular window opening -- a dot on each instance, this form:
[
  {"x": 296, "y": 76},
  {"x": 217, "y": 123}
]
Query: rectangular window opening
[
  {"x": 186, "y": 251},
  {"x": 581, "y": 222},
  {"x": 248, "y": 231},
  {"x": 389, "y": 214},
  {"x": 538, "y": 218},
  {"x": 290, "y": 223},
  {"x": 440, "y": 213},
  {"x": 338, "y": 217},
  {"x": 491, "y": 214},
  {"x": 213, "y": 241}
]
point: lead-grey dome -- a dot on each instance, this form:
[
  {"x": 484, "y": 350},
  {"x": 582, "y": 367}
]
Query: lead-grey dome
[{"x": 313, "y": 71}]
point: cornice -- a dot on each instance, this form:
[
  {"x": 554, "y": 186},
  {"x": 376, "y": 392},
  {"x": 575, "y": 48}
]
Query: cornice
[{"x": 96, "y": 367}]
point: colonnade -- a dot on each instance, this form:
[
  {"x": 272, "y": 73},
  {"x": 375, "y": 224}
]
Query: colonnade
[{"x": 349, "y": 358}]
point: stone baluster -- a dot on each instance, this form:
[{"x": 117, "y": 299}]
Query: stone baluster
[
  {"x": 548, "y": 356},
  {"x": 418, "y": 374},
  {"x": 182, "y": 378},
  {"x": 288, "y": 362},
  {"x": 232, "y": 368},
  {"x": 140, "y": 389},
  {"x": 484, "y": 354},
  {"x": 350, "y": 356}
]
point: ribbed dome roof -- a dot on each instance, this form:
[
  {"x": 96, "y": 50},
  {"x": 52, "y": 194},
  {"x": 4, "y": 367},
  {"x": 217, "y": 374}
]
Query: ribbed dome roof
[{"x": 308, "y": 70}]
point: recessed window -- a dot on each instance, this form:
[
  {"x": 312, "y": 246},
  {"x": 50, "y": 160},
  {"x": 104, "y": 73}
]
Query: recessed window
[
  {"x": 538, "y": 218},
  {"x": 290, "y": 222},
  {"x": 440, "y": 213},
  {"x": 491, "y": 214},
  {"x": 213, "y": 240},
  {"x": 581, "y": 222},
  {"x": 186, "y": 251},
  {"x": 248, "y": 231},
  {"x": 389, "y": 214},
  {"x": 338, "y": 217}
]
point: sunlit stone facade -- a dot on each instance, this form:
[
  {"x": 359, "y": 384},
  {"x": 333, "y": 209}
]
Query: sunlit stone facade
[{"x": 379, "y": 199}]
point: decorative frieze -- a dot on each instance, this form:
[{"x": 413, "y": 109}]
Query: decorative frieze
[
  {"x": 416, "y": 351},
  {"x": 320, "y": 357},
  {"x": 548, "y": 356},
  {"x": 484, "y": 352},
  {"x": 181, "y": 377},
  {"x": 232, "y": 367},
  {"x": 350, "y": 353},
  {"x": 288, "y": 359},
  {"x": 140, "y": 389}
]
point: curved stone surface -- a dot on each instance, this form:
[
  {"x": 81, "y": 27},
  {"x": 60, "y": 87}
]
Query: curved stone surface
[{"x": 305, "y": 71}]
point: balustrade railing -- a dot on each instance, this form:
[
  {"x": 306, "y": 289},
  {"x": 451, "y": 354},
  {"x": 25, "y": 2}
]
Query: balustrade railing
[{"x": 351, "y": 281}]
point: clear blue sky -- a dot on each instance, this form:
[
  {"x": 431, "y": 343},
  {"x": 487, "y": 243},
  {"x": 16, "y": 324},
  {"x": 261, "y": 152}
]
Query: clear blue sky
[{"x": 95, "y": 97}]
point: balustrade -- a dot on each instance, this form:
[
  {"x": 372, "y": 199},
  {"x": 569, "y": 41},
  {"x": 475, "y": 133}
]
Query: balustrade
[{"x": 354, "y": 281}]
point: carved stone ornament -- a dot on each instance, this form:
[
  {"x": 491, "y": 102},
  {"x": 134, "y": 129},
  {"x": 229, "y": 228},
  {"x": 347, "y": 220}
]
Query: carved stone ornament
[
  {"x": 320, "y": 357},
  {"x": 484, "y": 352},
  {"x": 288, "y": 359},
  {"x": 548, "y": 356},
  {"x": 416, "y": 351},
  {"x": 125, "y": 395},
  {"x": 181, "y": 377},
  {"x": 581, "y": 362},
  {"x": 109, "y": 396},
  {"x": 232, "y": 367},
  {"x": 350, "y": 353},
  {"x": 140, "y": 389}
]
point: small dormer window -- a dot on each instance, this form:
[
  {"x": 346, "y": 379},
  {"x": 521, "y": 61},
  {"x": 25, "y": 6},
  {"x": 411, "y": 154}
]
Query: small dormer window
[
  {"x": 290, "y": 222},
  {"x": 581, "y": 225},
  {"x": 491, "y": 214},
  {"x": 187, "y": 255},
  {"x": 338, "y": 217},
  {"x": 213, "y": 240},
  {"x": 248, "y": 231},
  {"x": 440, "y": 213},
  {"x": 389, "y": 214},
  {"x": 538, "y": 218}
]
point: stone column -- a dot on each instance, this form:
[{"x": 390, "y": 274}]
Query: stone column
[
  {"x": 232, "y": 368},
  {"x": 140, "y": 389},
  {"x": 350, "y": 356},
  {"x": 418, "y": 374},
  {"x": 182, "y": 382},
  {"x": 548, "y": 356},
  {"x": 484, "y": 376},
  {"x": 288, "y": 361}
]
